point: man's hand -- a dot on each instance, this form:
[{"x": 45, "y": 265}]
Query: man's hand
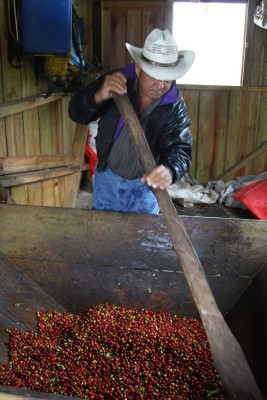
[
  {"x": 112, "y": 83},
  {"x": 159, "y": 178}
]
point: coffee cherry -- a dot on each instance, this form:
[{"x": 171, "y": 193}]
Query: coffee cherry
[{"x": 109, "y": 352}]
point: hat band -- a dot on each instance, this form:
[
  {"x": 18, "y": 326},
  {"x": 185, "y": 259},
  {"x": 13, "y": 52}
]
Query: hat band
[{"x": 159, "y": 64}]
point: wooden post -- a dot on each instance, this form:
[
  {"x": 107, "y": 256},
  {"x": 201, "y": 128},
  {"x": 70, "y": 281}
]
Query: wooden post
[{"x": 72, "y": 182}]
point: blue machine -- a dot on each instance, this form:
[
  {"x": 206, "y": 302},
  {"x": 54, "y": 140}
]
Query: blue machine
[{"x": 45, "y": 26}]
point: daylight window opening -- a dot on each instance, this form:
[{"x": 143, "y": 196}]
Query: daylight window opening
[{"x": 216, "y": 33}]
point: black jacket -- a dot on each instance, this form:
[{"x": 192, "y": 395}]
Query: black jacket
[{"x": 168, "y": 130}]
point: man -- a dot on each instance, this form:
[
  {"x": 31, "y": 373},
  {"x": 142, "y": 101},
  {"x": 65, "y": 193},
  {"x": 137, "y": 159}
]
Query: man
[{"x": 120, "y": 183}]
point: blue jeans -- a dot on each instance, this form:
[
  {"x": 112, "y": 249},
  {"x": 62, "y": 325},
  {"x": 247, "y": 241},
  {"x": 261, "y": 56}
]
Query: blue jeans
[{"x": 114, "y": 193}]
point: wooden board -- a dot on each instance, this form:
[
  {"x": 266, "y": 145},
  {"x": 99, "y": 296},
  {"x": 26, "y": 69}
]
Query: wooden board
[
  {"x": 225, "y": 246},
  {"x": 250, "y": 311},
  {"x": 84, "y": 257},
  {"x": 71, "y": 253},
  {"x": 20, "y": 299},
  {"x": 72, "y": 182}
]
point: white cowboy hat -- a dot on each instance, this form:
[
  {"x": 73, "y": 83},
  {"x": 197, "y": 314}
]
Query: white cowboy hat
[{"x": 160, "y": 57}]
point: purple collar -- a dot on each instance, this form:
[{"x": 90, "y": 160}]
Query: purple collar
[{"x": 168, "y": 98}]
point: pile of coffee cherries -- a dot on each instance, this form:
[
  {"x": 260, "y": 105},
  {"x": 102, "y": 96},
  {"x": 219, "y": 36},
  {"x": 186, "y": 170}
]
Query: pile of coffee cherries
[{"x": 110, "y": 352}]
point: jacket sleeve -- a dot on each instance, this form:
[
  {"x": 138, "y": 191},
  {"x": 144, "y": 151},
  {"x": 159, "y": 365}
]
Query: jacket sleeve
[
  {"x": 175, "y": 142},
  {"x": 82, "y": 106}
]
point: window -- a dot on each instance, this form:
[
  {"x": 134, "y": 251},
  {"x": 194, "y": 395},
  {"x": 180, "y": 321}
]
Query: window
[{"x": 215, "y": 32}]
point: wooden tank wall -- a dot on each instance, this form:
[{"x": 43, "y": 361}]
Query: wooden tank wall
[
  {"x": 250, "y": 311},
  {"x": 229, "y": 124},
  {"x": 74, "y": 258}
]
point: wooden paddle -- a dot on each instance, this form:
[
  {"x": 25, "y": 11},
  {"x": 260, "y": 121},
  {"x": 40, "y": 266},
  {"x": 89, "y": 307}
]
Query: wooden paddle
[{"x": 228, "y": 356}]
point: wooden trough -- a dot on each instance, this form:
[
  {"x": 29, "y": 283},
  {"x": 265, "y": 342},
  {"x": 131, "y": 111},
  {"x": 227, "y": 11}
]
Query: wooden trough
[{"x": 69, "y": 259}]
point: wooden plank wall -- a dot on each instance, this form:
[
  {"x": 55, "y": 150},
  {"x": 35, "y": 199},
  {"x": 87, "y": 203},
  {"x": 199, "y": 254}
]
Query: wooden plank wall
[
  {"x": 31, "y": 125},
  {"x": 229, "y": 128},
  {"x": 120, "y": 24},
  {"x": 229, "y": 125}
]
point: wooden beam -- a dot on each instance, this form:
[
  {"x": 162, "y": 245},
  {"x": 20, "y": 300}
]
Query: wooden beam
[
  {"x": 9, "y": 165},
  {"x": 35, "y": 176},
  {"x": 262, "y": 89},
  {"x": 26, "y": 103},
  {"x": 240, "y": 164},
  {"x": 131, "y": 5},
  {"x": 72, "y": 182}
]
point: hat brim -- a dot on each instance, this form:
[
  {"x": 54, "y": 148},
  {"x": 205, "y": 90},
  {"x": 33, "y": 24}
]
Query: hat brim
[{"x": 186, "y": 59}]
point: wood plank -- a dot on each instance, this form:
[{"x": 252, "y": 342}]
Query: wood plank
[
  {"x": 56, "y": 127},
  {"x": 191, "y": 98},
  {"x": 57, "y": 144},
  {"x": 68, "y": 127},
  {"x": 26, "y": 103},
  {"x": 251, "y": 156},
  {"x": 249, "y": 34},
  {"x": 247, "y": 88},
  {"x": 257, "y": 66},
  {"x": 117, "y": 252},
  {"x": 242, "y": 118},
  {"x": 134, "y": 5},
  {"x": 9, "y": 165},
  {"x": 37, "y": 176},
  {"x": 45, "y": 129},
  {"x": 3, "y": 142},
  {"x": 106, "y": 275},
  {"x": 251, "y": 141},
  {"x": 44, "y": 116},
  {"x": 72, "y": 182},
  {"x": 210, "y": 153},
  {"x": 205, "y": 148},
  {"x": 16, "y": 146},
  {"x": 105, "y": 35},
  {"x": 81, "y": 243},
  {"x": 134, "y": 28},
  {"x": 12, "y": 90},
  {"x": 152, "y": 19},
  {"x": 250, "y": 311},
  {"x": 59, "y": 188},
  {"x": 118, "y": 24},
  {"x": 32, "y": 147},
  {"x": 15, "y": 141},
  {"x": 134, "y": 288},
  {"x": 260, "y": 163},
  {"x": 264, "y": 60},
  {"x": 21, "y": 298},
  {"x": 11, "y": 85},
  {"x": 232, "y": 247}
]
